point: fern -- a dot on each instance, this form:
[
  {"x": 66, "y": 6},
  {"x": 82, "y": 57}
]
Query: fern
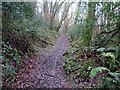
[
  {"x": 100, "y": 49},
  {"x": 116, "y": 75},
  {"x": 108, "y": 83},
  {"x": 109, "y": 55},
  {"x": 111, "y": 80},
  {"x": 95, "y": 70},
  {"x": 110, "y": 60}
]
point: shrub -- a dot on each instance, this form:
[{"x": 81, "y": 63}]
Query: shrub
[
  {"x": 11, "y": 59},
  {"x": 105, "y": 79}
]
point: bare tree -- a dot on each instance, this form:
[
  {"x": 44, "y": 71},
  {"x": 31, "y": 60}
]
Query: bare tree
[{"x": 51, "y": 12}]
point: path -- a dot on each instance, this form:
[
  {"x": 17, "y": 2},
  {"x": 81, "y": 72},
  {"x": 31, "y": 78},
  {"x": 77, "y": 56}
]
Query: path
[{"x": 48, "y": 71}]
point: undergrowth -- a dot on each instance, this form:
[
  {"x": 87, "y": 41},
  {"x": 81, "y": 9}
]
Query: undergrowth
[
  {"x": 97, "y": 66},
  {"x": 12, "y": 60}
]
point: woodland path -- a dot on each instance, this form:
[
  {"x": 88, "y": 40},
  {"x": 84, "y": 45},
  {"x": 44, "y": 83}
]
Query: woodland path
[{"x": 47, "y": 70}]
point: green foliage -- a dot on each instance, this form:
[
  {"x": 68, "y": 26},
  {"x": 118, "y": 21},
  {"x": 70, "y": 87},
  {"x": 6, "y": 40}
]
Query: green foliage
[
  {"x": 95, "y": 70},
  {"x": 8, "y": 70},
  {"x": 48, "y": 35},
  {"x": 22, "y": 27},
  {"x": 81, "y": 66},
  {"x": 109, "y": 55},
  {"x": 109, "y": 60},
  {"x": 108, "y": 39},
  {"x": 104, "y": 56},
  {"x": 77, "y": 68},
  {"x": 22, "y": 30},
  {"x": 110, "y": 79},
  {"x": 11, "y": 60},
  {"x": 19, "y": 26},
  {"x": 75, "y": 31},
  {"x": 100, "y": 49},
  {"x": 109, "y": 83}
]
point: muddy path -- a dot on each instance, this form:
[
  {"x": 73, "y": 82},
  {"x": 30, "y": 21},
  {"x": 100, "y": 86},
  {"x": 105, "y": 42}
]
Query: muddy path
[{"x": 46, "y": 71}]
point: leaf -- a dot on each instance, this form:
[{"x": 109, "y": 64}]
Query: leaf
[
  {"x": 116, "y": 75},
  {"x": 1, "y": 74},
  {"x": 95, "y": 70},
  {"x": 111, "y": 48},
  {"x": 89, "y": 68},
  {"x": 100, "y": 49},
  {"x": 73, "y": 50},
  {"x": 109, "y": 55}
]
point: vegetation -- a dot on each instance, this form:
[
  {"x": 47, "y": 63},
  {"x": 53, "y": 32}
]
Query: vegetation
[
  {"x": 96, "y": 48},
  {"x": 93, "y": 29}
]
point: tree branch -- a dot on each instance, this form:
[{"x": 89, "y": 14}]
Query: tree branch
[
  {"x": 58, "y": 8},
  {"x": 65, "y": 14},
  {"x": 104, "y": 32}
]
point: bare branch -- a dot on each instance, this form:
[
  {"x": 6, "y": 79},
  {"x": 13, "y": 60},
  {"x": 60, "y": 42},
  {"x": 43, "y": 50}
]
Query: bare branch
[
  {"x": 104, "y": 32},
  {"x": 65, "y": 14},
  {"x": 58, "y": 7}
]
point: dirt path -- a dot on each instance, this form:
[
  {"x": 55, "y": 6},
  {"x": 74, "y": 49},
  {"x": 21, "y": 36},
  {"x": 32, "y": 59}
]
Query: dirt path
[{"x": 47, "y": 71}]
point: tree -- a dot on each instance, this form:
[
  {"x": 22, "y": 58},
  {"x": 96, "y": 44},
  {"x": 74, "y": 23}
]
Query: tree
[
  {"x": 89, "y": 24},
  {"x": 16, "y": 18},
  {"x": 51, "y": 11}
]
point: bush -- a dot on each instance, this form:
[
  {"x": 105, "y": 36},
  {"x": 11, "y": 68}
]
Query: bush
[
  {"x": 11, "y": 60},
  {"x": 78, "y": 68},
  {"x": 105, "y": 79},
  {"x": 100, "y": 66},
  {"x": 17, "y": 23}
]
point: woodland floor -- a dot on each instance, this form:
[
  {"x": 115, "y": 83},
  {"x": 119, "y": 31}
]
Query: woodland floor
[{"x": 45, "y": 71}]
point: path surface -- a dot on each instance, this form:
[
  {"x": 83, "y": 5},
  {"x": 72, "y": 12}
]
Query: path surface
[{"x": 48, "y": 71}]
